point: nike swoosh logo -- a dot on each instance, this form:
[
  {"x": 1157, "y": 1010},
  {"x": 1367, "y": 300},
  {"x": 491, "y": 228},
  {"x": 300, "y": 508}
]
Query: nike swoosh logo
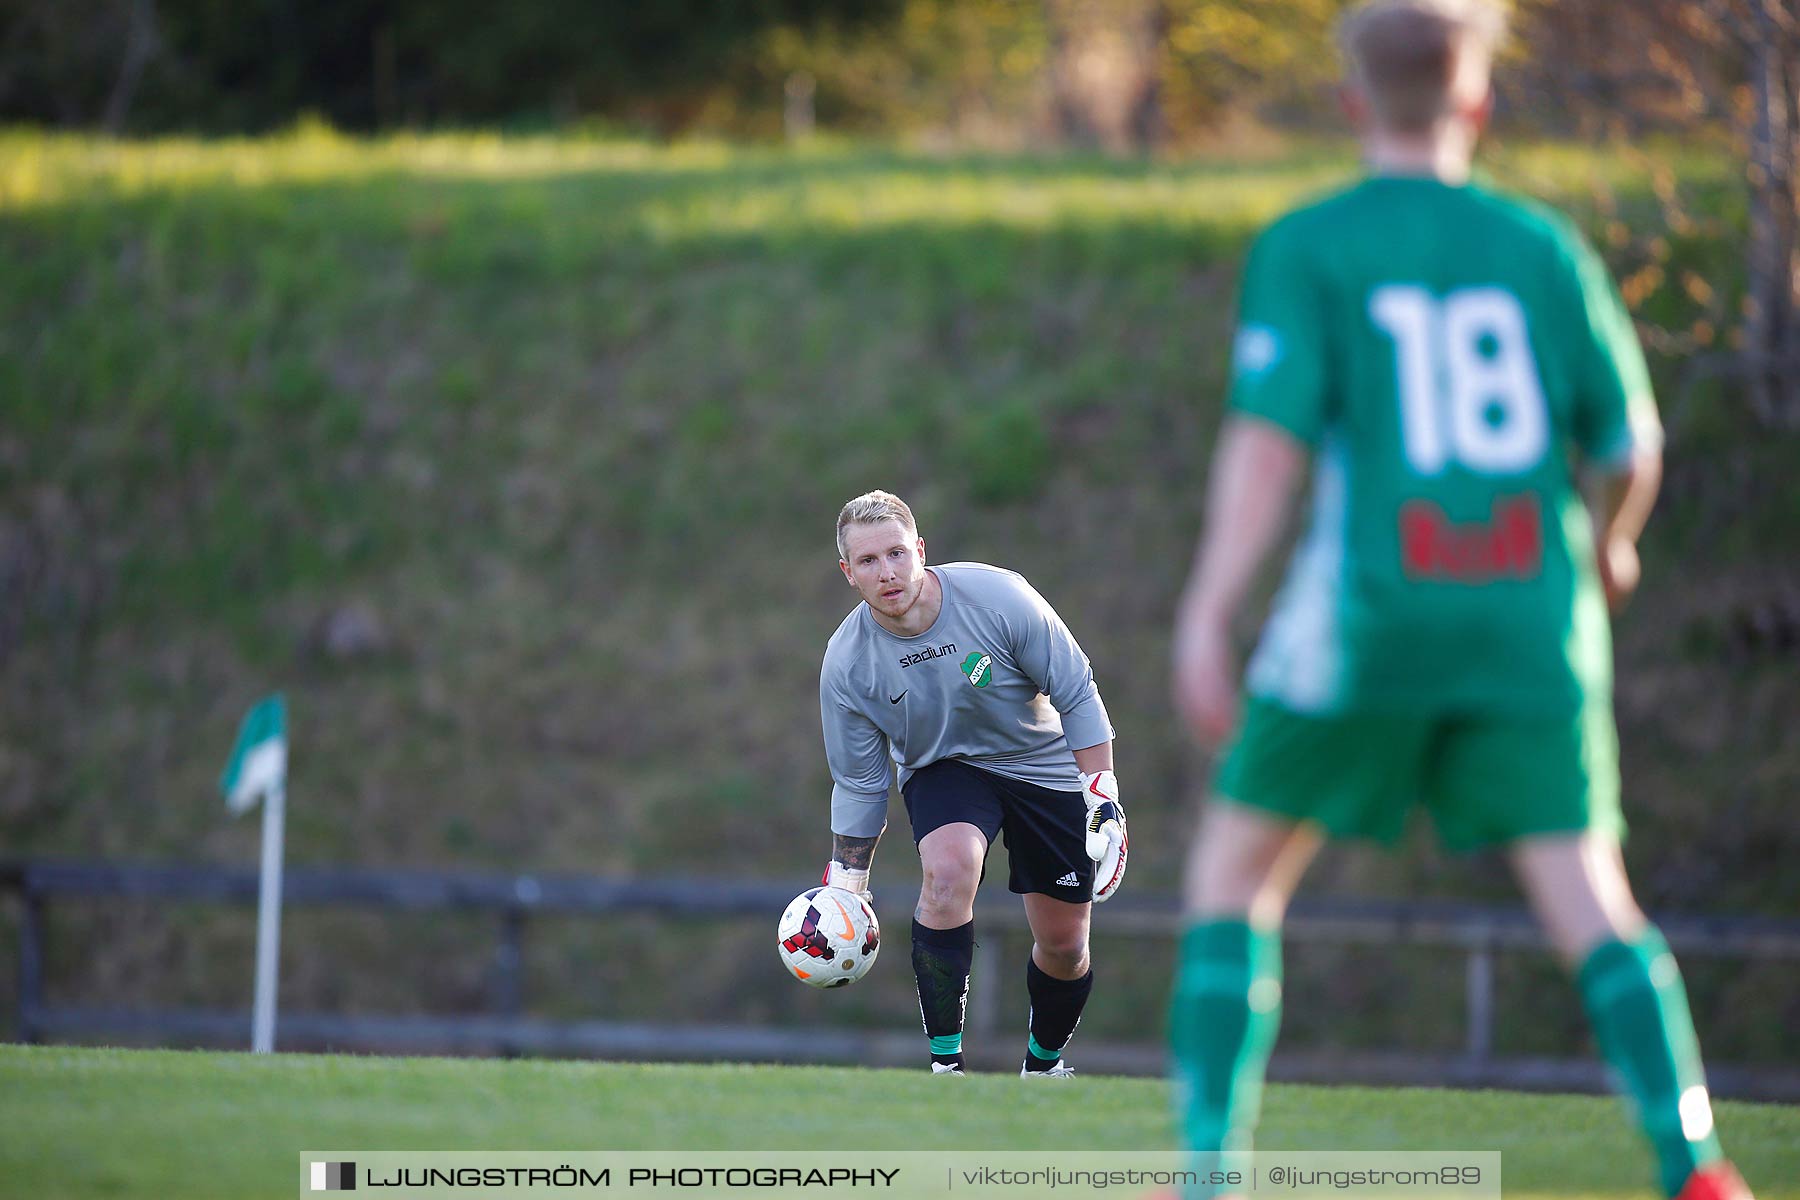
[
  {"x": 899, "y": 698},
  {"x": 849, "y": 929}
]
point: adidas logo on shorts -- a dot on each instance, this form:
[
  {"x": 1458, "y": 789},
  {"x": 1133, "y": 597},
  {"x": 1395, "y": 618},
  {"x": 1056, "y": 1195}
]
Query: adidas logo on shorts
[{"x": 1068, "y": 880}]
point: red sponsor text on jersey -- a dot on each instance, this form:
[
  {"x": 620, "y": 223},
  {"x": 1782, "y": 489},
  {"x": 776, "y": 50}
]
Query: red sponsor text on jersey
[{"x": 1508, "y": 545}]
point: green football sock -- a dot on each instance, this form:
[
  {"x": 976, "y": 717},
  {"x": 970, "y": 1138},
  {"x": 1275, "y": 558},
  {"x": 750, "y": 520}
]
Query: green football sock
[
  {"x": 1222, "y": 1025},
  {"x": 1635, "y": 999}
]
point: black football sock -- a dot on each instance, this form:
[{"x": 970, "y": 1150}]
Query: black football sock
[
  {"x": 941, "y": 960},
  {"x": 1056, "y": 1006}
]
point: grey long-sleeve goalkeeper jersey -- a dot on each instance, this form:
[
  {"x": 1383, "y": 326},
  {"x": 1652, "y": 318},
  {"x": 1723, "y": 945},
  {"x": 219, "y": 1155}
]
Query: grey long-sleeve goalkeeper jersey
[{"x": 997, "y": 680}]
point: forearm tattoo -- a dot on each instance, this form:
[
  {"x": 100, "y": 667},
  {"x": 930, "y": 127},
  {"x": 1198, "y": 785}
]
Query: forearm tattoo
[{"x": 856, "y": 853}]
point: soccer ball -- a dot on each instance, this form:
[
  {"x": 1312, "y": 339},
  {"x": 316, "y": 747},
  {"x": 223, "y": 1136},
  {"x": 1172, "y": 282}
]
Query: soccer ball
[{"x": 828, "y": 937}]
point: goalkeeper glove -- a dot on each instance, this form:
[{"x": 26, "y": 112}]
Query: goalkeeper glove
[
  {"x": 837, "y": 875},
  {"x": 1106, "y": 839}
]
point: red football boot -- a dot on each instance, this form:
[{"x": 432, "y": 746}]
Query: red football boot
[{"x": 1715, "y": 1181}]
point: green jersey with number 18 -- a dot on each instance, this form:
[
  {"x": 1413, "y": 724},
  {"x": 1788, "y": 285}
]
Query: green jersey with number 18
[{"x": 1445, "y": 351}]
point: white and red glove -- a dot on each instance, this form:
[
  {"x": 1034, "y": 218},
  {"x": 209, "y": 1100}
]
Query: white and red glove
[
  {"x": 1106, "y": 839},
  {"x": 837, "y": 875}
]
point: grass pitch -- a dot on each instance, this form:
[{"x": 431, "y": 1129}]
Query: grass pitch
[{"x": 78, "y": 1122}]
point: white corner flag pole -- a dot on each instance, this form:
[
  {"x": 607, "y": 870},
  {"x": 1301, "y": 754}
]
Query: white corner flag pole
[
  {"x": 258, "y": 771},
  {"x": 268, "y": 921}
]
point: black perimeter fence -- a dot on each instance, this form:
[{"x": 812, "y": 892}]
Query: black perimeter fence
[{"x": 1477, "y": 933}]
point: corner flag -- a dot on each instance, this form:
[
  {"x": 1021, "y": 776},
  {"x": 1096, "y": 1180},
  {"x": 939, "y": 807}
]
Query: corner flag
[
  {"x": 258, "y": 771},
  {"x": 259, "y": 760}
]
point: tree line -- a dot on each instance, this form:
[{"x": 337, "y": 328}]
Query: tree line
[{"x": 1120, "y": 76}]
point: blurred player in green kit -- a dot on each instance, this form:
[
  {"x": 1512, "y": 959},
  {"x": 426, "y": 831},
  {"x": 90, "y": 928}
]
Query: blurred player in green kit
[{"x": 1448, "y": 358}]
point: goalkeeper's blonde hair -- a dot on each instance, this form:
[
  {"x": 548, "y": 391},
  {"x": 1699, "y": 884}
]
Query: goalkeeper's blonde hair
[
  {"x": 1407, "y": 56},
  {"x": 872, "y": 508}
]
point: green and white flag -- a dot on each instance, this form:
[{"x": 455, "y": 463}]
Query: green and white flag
[{"x": 258, "y": 763}]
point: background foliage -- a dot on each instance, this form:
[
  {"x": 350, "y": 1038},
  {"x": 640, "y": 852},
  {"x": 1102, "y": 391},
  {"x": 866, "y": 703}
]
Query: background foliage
[
  {"x": 513, "y": 459},
  {"x": 504, "y": 432}
]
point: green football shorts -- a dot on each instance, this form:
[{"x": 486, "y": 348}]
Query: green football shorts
[{"x": 1485, "y": 780}]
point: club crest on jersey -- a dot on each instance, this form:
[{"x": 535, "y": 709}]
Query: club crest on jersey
[{"x": 979, "y": 668}]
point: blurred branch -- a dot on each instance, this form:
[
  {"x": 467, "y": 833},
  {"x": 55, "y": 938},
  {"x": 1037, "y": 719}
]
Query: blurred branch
[
  {"x": 143, "y": 41},
  {"x": 1104, "y": 72},
  {"x": 15, "y": 49},
  {"x": 1687, "y": 66},
  {"x": 1774, "y": 251}
]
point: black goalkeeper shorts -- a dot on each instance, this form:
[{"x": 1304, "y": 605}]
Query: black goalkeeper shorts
[{"x": 1045, "y": 830}]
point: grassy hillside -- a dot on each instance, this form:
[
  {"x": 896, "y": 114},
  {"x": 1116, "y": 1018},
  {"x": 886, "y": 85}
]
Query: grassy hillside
[
  {"x": 514, "y": 462},
  {"x": 79, "y": 1123}
]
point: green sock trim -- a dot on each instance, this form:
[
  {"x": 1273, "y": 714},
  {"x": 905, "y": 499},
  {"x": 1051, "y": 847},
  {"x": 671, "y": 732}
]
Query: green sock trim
[
  {"x": 1229, "y": 943},
  {"x": 1038, "y": 1051},
  {"x": 1635, "y": 999},
  {"x": 947, "y": 1043},
  {"x": 1222, "y": 1025}
]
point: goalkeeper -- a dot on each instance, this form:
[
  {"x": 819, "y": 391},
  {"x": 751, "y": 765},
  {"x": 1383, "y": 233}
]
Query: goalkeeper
[
  {"x": 967, "y": 681},
  {"x": 1443, "y": 355}
]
